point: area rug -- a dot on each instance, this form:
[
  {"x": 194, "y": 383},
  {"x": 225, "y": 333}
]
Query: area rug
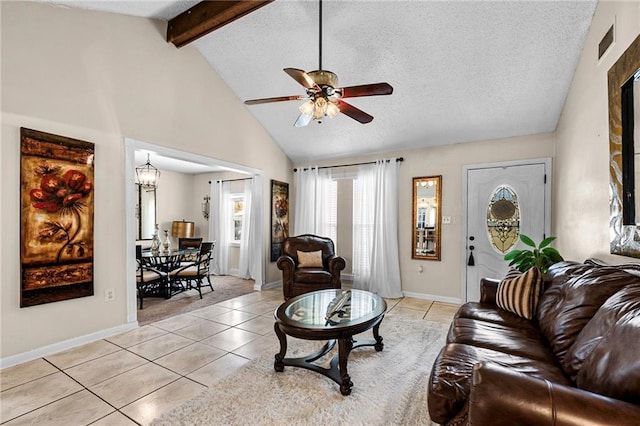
[
  {"x": 225, "y": 287},
  {"x": 390, "y": 387}
]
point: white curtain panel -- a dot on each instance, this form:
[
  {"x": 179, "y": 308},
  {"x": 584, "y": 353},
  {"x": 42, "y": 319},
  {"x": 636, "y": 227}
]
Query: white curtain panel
[
  {"x": 221, "y": 228},
  {"x": 256, "y": 270},
  {"x": 304, "y": 217},
  {"x": 244, "y": 269},
  {"x": 376, "y": 265},
  {"x": 249, "y": 264},
  {"x": 315, "y": 190}
]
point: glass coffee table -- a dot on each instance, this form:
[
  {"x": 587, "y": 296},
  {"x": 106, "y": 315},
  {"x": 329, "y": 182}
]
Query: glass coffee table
[{"x": 332, "y": 315}]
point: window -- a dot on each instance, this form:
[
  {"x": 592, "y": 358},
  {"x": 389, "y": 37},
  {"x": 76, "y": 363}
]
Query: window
[
  {"x": 503, "y": 219},
  {"x": 237, "y": 214}
]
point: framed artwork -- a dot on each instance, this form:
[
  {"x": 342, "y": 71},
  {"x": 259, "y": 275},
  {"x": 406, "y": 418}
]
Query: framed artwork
[
  {"x": 56, "y": 219},
  {"x": 279, "y": 217}
]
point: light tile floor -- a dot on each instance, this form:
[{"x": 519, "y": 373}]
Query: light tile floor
[{"x": 134, "y": 377}]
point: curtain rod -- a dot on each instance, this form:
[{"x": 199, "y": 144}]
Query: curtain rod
[
  {"x": 232, "y": 180},
  {"x": 399, "y": 159}
]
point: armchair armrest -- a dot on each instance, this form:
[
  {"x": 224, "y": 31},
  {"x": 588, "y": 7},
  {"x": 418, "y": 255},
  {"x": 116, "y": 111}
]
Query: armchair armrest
[
  {"x": 336, "y": 264},
  {"x": 500, "y": 396},
  {"x": 488, "y": 290},
  {"x": 286, "y": 264}
]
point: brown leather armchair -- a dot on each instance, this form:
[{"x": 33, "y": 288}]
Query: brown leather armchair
[{"x": 298, "y": 279}]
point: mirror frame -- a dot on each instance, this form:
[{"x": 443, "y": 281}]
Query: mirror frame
[
  {"x": 139, "y": 188},
  {"x": 625, "y": 238},
  {"x": 438, "y": 225}
]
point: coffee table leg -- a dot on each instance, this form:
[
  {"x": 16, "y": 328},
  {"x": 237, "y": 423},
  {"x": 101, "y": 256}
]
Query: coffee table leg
[
  {"x": 376, "y": 334},
  {"x": 278, "y": 364},
  {"x": 344, "y": 347}
]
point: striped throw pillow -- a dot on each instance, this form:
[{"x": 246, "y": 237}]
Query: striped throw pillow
[{"x": 518, "y": 293}]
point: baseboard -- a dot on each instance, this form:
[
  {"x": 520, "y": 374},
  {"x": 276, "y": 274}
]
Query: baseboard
[
  {"x": 267, "y": 286},
  {"x": 67, "y": 344},
  {"x": 454, "y": 300}
]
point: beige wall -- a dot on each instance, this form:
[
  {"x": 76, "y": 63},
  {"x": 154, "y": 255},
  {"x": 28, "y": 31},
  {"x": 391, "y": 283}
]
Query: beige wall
[
  {"x": 443, "y": 280},
  {"x": 581, "y": 202},
  {"x": 102, "y": 77}
]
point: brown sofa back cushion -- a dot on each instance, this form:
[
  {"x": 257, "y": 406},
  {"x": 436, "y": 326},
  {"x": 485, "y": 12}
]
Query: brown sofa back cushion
[
  {"x": 566, "y": 307},
  {"x": 603, "y": 322},
  {"x": 613, "y": 368}
]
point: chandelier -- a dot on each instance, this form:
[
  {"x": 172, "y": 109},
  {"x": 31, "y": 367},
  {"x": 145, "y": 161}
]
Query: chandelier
[{"x": 147, "y": 176}]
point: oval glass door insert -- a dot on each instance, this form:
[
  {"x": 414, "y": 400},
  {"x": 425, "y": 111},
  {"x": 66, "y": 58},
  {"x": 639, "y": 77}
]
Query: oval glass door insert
[{"x": 503, "y": 219}]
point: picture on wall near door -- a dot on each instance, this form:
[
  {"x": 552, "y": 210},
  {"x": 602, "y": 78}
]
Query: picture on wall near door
[
  {"x": 279, "y": 217},
  {"x": 57, "y": 205}
]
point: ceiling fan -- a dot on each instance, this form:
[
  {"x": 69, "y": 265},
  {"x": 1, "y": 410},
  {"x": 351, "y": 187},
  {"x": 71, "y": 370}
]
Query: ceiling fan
[{"x": 324, "y": 97}]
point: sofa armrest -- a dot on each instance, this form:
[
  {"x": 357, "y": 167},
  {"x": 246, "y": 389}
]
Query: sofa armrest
[
  {"x": 488, "y": 290},
  {"x": 500, "y": 396}
]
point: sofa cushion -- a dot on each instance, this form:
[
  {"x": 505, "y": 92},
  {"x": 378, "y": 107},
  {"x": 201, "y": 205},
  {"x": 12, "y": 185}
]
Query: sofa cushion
[
  {"x": 312, "y": 276},
  {"x": 525, "y": 342},
  {"x": 450, "y": 380},
  {"x": 309, "y": 259},
  {"x": 566, "y": 308},
  {"x": 625, "y": 301},
  {"x": 613, "y": 368},
  {"x": 519, "y": 292},
  {"x": 488, "y": 313}
]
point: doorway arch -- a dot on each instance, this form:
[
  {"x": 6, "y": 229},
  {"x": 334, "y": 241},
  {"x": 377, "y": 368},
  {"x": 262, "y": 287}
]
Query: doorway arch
[{"x": 132, "y": 145}]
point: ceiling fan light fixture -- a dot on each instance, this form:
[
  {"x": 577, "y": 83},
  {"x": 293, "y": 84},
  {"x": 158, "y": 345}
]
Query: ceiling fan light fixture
[
  {"x": 332, "y": 110},
  {"x": 308, "y": 107}
]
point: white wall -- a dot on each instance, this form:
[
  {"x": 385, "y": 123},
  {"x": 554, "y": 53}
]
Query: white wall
[
  {"x": 102, "y": 77},
  {"x": 174, "y": 201},
  {"x": 581, "y": 202}
]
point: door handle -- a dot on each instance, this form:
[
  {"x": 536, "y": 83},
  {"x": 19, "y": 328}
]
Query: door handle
[{"x": 471, "y": 261}]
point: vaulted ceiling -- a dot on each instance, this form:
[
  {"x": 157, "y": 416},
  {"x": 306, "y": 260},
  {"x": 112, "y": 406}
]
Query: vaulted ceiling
[{"x": 461, "y": 70}]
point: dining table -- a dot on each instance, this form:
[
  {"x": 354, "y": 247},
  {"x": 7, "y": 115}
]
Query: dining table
[{"x": 167, "y": 261}]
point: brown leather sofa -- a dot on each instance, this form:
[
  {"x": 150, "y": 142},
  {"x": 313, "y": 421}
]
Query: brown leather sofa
[
  {"x": 577, "y": 362},
  {"x": 297, "y": 280}
]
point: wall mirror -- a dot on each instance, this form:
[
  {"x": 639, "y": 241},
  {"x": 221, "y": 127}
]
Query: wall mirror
[
  {"x": 427, "y": 194},
  {"x": 145, "y": 212},
  {"x": 624, "y": 152}
]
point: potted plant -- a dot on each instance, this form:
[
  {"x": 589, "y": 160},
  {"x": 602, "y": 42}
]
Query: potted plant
[{"x": 540, "y": 256}]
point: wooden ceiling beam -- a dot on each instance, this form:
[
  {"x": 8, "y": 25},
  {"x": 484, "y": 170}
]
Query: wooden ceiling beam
[{"x": 206, "y": 17}]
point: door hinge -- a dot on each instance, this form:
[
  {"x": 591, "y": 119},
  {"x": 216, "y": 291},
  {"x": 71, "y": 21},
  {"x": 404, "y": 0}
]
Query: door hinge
[{"x": 545, "y": 178}]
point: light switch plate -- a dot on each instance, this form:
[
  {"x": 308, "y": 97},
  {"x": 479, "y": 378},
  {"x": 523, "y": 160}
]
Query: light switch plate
[{"x": 446, "y": 220}]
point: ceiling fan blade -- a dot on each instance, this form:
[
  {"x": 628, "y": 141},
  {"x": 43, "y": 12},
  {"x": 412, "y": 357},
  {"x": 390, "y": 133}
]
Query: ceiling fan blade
[
  {"x": 355, "y": 113},
  {"x": 303, "y": 120},
  {"x": 302, "y": 77},
  {"x": 366, "y": 90},
  {"x": 277, "y": 99}
]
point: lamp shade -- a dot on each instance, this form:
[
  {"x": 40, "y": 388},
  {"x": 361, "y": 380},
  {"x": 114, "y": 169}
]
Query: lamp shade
[{"x": 182, "y": 229}]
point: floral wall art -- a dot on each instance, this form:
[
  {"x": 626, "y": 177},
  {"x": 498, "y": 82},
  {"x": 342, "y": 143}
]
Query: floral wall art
[
  {"x": 57, "y": 205},
  {"x": 279, "y": 217}
]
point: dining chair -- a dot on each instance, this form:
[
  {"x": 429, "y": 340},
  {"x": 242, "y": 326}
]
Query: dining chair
[
  {"x": 192, "y": 275},
  {"x": 149, "y": 280}
]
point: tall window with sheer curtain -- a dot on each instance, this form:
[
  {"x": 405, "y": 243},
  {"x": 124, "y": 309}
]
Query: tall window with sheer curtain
[
  {"x": 376, "y": 265},
  {"x": 316, "y": 203}
]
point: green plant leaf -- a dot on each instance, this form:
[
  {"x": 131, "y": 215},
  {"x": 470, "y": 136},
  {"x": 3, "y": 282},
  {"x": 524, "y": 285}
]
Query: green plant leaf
[
  {"x": 553, "y": 255},
  {"x": 512, "y": 254},
  {"x": 546, "y": 242},
  {"x": 528, "y": 241}
]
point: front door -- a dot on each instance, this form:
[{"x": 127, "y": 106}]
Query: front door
[{"x": 502, "y": 202}]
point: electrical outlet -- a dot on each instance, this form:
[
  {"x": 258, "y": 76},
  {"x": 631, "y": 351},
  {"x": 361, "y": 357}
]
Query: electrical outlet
[
  {"x": 446, "y": 220},
  {"x": 109, "y": 295}
]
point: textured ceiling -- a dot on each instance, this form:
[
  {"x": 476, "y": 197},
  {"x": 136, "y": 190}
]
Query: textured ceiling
[{"x": 461, "y": 70}]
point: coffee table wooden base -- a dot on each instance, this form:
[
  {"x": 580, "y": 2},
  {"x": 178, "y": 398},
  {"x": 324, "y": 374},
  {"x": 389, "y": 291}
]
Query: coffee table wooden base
[{"x": 337, "y": 370}]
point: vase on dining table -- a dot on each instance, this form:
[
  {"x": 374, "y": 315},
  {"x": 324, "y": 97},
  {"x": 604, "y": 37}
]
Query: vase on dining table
[
  {"x": 166, "y": 245},
  {"x": 155, "y": 241}
]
